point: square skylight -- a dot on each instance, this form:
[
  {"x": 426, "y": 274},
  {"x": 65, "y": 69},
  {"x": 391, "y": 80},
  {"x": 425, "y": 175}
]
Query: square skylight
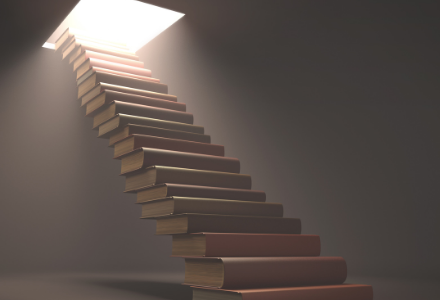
[{"x": 126, "y": 21}]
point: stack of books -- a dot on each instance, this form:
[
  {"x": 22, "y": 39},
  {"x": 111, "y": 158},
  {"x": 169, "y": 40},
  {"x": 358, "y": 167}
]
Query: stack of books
[{"x": 235, "y": 244}]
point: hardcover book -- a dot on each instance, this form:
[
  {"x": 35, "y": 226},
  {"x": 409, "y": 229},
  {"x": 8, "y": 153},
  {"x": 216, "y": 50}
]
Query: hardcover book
[
  {"x": 147, "y": 157},
  {"x": 209, "y": 244},
  {"x": 262, "y": 272},
  {"x": 182, "y": 205},
  {"x": 192, "y": 223},
  {"x": 137, "y": 141},
  {"x": 164, "y": 190},
  {"x": 164, "y": 174}
]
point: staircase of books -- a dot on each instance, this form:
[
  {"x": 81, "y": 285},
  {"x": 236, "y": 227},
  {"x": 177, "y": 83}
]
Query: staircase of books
[{"x": 235, "y": 244}]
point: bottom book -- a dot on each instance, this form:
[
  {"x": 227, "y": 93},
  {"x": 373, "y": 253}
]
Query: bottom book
[{"x": 324, "y": 292}]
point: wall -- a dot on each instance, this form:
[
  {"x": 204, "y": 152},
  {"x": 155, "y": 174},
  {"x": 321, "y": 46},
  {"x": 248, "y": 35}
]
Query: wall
[{"x": 331, "y": 107}]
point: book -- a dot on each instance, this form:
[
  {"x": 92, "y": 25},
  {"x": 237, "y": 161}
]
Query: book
[
  {"x": 147, "y": 157},
  {"x": 137, "y": 141},
  {"x": 261, "y": 272},
  {"x": 163, "y": 174},
  {"x": 94, "y": 69},
  {"x": 164, "y": 190},
  {"x": 121, "y": 120},
  {"x": 101, "y": 87},
  {"x": 180, "y": 205},
  {"x": 322, "y": 292},
  {"x": 93, "y": 62},
  {"x": 78, "y": 46},
  {"x": 111, "y": 58},
  {"x": 107, "y": 96},
  {"x": 132, "y": 129},
  {"x": 210, "y": 244},
  {"x": 192, "y": 223},
  {"x": 118, "y": 107},
  {"x": 99, "y": 76},
  {"x": 70, "y": 33}
]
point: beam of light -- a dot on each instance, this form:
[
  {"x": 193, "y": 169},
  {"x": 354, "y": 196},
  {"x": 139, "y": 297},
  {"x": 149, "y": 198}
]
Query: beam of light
[{"x": 126, "y": 21}]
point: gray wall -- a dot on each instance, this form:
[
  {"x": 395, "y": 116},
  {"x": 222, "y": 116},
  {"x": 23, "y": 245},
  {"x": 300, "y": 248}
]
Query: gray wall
[{"x": 331, "y": 107}]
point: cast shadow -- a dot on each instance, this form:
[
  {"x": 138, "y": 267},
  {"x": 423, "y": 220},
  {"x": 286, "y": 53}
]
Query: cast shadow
[{"x": 165, "y": 290}]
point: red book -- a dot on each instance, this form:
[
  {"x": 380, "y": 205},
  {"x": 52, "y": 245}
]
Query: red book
[
  {"x": 323, "y": 292},
  {"x": 259, "y": 272},
  {"x": 210, "y": 244}
]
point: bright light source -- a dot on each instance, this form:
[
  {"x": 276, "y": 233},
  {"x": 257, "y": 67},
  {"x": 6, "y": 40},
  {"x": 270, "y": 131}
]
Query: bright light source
[{"x": 128, "y": 21}]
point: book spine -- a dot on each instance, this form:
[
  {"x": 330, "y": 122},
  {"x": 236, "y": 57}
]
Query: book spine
[
  {"x": 212, "y": 192},
  {"x": 119, "y": 67},
  {"x": 203, "y": 178},
  {"x": 188, "y": 160},
  {"x": 144, "y": 100},
  {"x": 177, "y": 145},
  {"x": 233, "y": 224},
  {"x": 135, "y": 109},
  {"x": 115, "y": 59},
  {"x": 131, "y": 82},
  {"x": 261, "y": 245},
  {"x": 226, "y": 207}
]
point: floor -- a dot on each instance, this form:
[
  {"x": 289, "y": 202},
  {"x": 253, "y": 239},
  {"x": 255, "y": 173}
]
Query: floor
[{"x": 130, "y": 286}]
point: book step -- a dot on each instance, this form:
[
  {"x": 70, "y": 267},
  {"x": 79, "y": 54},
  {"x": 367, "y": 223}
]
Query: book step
[
  {"x": 118, "y": 107},
  {"x": 111, "y": 58},
  {"x": 264, "y": 272},
  {"x": 136, "y": 141},
  {"x": 121, "y": 120},
  {"x": 93, "y": 69},
  {"x": 89, "y": 82},
  {"x": 181, "y": 205},
  {"x": 102, "y": 86},
  {"x": 164, "y": 190},
  {"x": 155, "y": 175},
  {"x": 93, "y": 62},
  {"x": 321, "y": 292},
  {"x": 209, "y": 244},
  {"x": 133, "y": 129},
  {"x": 147, "y": 157},
  {"x": 72, "y": 33},
  {"x": 99, "y": 102},
  {"x": 192, "y": 223},
  {"x": 76, "y": 47}
]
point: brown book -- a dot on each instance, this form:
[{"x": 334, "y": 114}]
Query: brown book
[
  {"x": 100, "y": 87},
  {"x": 111, "y": 58},
  {"x": 121, "y": 120},
  {"x": 147, "y": 157},
  {"x": 77, "y": 46},
  {"x": 137, "y": 141},
  {"x": 164, "y": 190},
  {"x": 162, "y": 174},
  {"x": 210, "y": 244},
  {"x": 181, "y": 205},
  {"x": 94, "y": 69},
  {"x": 260, "y": 272},
  {"x": 118, "y": 107},
  {"x": 70, "y": 33},
  {"x": 107, "y": 96},
  {"x": 93, "y": 62},
  {"x": 96, "y": 77},
  {"x": 132, "y": 129},
  {"x": 322, "y": 292},
  {"x": 192, "y": 223}
]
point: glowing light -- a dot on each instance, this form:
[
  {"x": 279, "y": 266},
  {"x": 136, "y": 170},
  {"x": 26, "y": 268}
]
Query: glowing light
[{"x": 126, "y": 21}]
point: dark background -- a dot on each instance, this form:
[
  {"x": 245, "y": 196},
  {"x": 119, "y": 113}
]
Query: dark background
[{"x": 331, "y": 106}]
